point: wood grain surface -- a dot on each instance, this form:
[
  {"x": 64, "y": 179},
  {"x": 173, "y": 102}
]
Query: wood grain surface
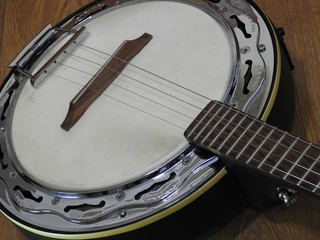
[{"x": 21, "y": 20}]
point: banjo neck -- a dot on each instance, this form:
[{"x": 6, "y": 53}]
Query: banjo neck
[{"x": 236, "y": 136}]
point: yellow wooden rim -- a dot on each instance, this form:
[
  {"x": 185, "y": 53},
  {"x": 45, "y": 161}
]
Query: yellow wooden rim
[
  {"x": 275, "y": 89},
  {"x": 133, "y": 226}
]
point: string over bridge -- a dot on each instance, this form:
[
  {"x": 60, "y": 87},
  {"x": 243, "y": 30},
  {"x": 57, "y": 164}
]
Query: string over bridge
[{"x": 103, "y": 79}]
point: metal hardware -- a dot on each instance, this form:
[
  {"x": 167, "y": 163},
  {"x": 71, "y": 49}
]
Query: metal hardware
[
  {"x": 248, "y": 29},
  {"x": 37, "y": 45},
  {"x": 287, "y": 196},
  {"x": 262, "y": 48},
  {"x": 43, "y": 40},
  {"x": 22, "y": 56},
  {"x": 94, "y": 9},
  {"x": 222, "y": 9},
  {"x": 2, "y": 130},
  {"x": 55, "y": 200},
  {"x": 186, "y": 160},
  {"x": 122, "y": 213},
  {"x": 234, "y": 103},
  {"x": 61, "y": 54},
  {"x": 120, "y": 195},
  {"x": 13, "y": 174},
  {"x": 245, "y": 50}
]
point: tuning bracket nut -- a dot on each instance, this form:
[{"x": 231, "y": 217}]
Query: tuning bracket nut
[{"x": 287, "y": 196}]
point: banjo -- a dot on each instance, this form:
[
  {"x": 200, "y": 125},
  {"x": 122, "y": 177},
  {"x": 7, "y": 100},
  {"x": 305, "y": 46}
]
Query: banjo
[{"x": 107, "y": 99}]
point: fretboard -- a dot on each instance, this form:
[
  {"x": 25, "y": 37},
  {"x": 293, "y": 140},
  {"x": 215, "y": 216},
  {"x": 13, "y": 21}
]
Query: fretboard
[{"x": 237, "y": 136}]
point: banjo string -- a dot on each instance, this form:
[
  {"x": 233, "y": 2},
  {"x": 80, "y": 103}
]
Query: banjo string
[
  {"x": 245, "y": 155},
  {"x": 287, "y": 173},
  {"x": 138, "y": 81},
  {"x": 141, "y": 69},
  {"x": 165, "y": 120},
  {"x": 212, "y": 115},
  {"x": 132, "y": 92},
  {"x": 135, "y": 93},
  {"x": 310, "y": 170},
  {"x": 234, "y": 137},
  {"x": 274, "y": 167},
  {"x": 142, "y": 83},
  {"x": 189, "y": 117},
  {"x": 134, "y": 107},
  {"x": 135, "y": 80},
  {"x": 127, "y": 104}
]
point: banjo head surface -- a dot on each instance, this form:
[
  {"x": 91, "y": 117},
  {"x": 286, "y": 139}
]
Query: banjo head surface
[
  {"x": 126, "y": 161},
  {"x": 131, "y": 129}
]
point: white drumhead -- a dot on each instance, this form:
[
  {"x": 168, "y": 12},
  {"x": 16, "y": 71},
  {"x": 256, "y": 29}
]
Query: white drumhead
[{"x": 133, "y": 128}]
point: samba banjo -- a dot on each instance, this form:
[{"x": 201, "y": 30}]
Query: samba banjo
[{"x": 118, "y": 102}]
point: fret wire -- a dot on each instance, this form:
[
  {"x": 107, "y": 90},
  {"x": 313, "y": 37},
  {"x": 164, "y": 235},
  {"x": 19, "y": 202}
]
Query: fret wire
[
  {"x": 271, "y": 153},
  {"x": 232, "y": 132},
  {"x": 242, "y": 134},
  {"x": 280, "y": 170},
  {"x": 215, "y": 125},
  {"x": 222, "y": 130},
  {"x": 295, "y": 163},
  {"x": 261, "y": 122},
  {"x": 267, "y": 156},
  {"x": 261, "y": 144},
  {"x": 200, "y": 122},
  {"x": 308, "y": 171},
  {"x": 249, "y": 142},
  {"x": 316, "y": 188},
  {"x": 208, "y": 124},
  {"x": 246, "y": 129},
  {"x": 239, "y": 111},
  {"x": 284, "y": 155}
]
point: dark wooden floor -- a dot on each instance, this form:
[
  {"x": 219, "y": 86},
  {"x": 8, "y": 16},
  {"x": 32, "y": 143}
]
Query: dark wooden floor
[{"x": 20, "y": 20}]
